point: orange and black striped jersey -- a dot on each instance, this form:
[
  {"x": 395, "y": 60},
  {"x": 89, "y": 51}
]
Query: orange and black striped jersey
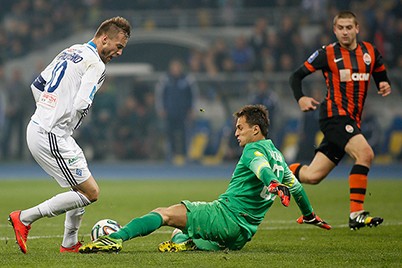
[{"x": 347, "y": 76}]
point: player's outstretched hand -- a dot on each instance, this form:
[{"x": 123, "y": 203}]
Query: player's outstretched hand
[
  {"x": 281, "y": 190},
  {"x": 315, "y": 220}
]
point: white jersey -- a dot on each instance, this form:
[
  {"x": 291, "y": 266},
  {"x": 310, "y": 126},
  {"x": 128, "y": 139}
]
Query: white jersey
[{"x": 64, "y": 91}]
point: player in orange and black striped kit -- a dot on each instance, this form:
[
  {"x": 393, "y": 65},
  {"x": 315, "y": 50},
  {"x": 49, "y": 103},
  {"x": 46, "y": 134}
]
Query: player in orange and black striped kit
[{"x": 347, "y": 66}]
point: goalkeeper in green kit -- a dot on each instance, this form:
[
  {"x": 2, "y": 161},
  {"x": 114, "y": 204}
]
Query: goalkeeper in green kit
[{"x": 232, "y": 220}]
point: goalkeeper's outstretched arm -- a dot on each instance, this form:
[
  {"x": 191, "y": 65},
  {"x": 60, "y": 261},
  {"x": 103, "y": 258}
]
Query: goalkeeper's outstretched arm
[{"x": 302, "y": 201}]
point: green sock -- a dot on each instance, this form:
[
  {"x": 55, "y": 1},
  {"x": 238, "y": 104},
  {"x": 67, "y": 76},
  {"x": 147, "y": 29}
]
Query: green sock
[
  {"x": 139, "y": 226},
  {"x": 303, "y": 203}
]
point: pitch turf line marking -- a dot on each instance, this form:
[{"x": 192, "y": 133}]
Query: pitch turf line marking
[{"x": 294, "y": 226}]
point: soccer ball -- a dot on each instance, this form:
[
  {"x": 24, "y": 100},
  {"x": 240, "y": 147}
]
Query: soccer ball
[{"x": 104, "y": 227}]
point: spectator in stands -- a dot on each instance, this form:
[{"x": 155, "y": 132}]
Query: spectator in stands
[
  {"x": 26, "y": 26},
  {"x": 98, "y": 133},
  {"x": 396, "y": 41},
  {"x": 262, "y": 94},
  {"x": 273, "y": 54},
  {"x": 145, "y": 142},
  {"x": 228, "y": 66},
  {"x": 2, "y": 108},
  {"x": 228, "y": 9},
  {"x": 308, "y": 130},
  {"x": 152, "y": 140},
  {"x": 242, "y": 55},
  {"x": 371, "y": 128},
  {"x": 125, "y": 133},
  {"x": 176, "y": 92},
  {"x": 316, "y": 9},
  {"x": 268, "y": 60},
  {"x": 196, "y": 61},
  {"x": 16, "y": 113},
  {"x": 220, "y": 52},
  {"x": 258, "y": 42},
  {"x": 214, "y": 114},
  {"x": 286, "y": 62},
  {"x": 286, "y": 34}
]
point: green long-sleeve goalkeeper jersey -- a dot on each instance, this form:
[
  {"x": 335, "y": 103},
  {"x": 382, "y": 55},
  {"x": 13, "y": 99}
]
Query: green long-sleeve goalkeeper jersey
[{"x": 247, "y": 196}]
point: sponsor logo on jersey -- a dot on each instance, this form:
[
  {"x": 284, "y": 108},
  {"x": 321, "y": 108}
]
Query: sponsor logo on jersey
[
  {"x": 349, "y": 129},
  {"x": 360, "y": 76},
  {"x": 312, "y": 57},
  {"x": 367, "y": 58},
  {"x": 345, "y": 75},
  {"x": 48, "y": 100},
  {"x": 338, "y": 60},
  {"x": 72, "y": 160}
]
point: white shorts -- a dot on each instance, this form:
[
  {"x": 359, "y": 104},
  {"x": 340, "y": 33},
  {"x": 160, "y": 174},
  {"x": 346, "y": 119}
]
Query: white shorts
[{"x": 60, "y": 157}]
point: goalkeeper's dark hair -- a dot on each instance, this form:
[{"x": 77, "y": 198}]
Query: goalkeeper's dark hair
[{"x": 255, "y": 115}]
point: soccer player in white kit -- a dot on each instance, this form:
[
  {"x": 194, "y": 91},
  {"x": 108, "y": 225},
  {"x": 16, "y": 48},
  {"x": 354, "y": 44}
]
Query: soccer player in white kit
[{"x": 64, "y": 92}]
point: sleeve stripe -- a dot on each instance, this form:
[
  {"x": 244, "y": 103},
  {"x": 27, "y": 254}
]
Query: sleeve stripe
[{"x": 260, "y": 167}]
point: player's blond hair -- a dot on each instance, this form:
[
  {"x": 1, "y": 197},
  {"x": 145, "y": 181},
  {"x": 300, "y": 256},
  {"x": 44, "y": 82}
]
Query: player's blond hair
[
  {"x": 345, "y": 15},
  {"x": 113, "y": 26}
]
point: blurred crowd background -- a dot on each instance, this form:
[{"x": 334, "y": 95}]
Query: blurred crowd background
[{"x": 188, "y": 66}]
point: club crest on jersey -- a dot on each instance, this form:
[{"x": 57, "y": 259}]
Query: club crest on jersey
[
  {"x": 349, "y": 129},
  {"x": 367, "y": 58},
  {"x": 78, "y": 172},
  {"x": 312, "y": 57}
]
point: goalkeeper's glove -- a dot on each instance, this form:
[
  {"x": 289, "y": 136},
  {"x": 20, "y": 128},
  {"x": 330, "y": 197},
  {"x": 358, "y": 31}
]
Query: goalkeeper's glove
[
  {"x": 281, "y": 190},
  {"x": 315, "y": 220}
]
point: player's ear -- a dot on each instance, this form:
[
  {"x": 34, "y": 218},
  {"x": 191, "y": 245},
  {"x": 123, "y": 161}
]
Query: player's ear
[
  {"x": 104, "y": 39},
  {"x": 256, "y": 129}
]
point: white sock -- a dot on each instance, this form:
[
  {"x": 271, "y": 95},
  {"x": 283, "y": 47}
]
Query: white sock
[
  {"x": 30, "y": 215},
  {"x": 54, "y": 206},
  {"x": 71, "y": 226}
]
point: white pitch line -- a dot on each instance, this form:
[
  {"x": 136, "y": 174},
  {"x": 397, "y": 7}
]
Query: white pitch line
[{"x": 289, "y": 227}]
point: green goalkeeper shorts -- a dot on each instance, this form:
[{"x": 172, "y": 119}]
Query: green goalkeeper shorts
[{"x": 211, "y": 222}]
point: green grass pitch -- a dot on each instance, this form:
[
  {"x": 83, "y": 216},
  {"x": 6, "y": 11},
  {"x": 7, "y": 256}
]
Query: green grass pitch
[{"x": 279, "y": 242}]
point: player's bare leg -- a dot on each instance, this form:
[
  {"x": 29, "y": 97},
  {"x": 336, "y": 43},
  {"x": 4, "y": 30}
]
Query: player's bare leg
[
  {"x": 89, "y": 188},
  {"x": 316, "y": 171}
]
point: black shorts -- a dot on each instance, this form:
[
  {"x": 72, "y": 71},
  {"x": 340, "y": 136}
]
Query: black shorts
[{"x": 337, "y": 131}]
